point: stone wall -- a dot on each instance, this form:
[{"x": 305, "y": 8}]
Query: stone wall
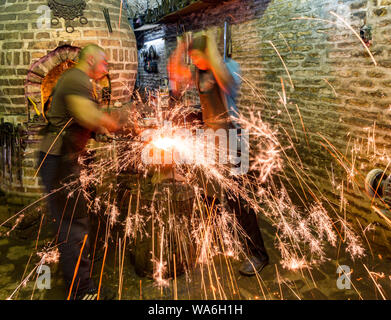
[{"x": 339, "y": 101}]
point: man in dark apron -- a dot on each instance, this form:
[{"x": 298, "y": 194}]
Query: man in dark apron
[
  {"x": 217, "y": 83},
  {"x": 72, "y": 117}
]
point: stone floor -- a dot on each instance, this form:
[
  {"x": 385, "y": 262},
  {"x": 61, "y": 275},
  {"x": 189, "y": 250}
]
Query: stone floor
[{"x": 18, "y": 258}]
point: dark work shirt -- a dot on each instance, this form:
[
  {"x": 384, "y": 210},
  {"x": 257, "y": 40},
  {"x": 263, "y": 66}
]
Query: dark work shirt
[{"x": 74, "y": 138}]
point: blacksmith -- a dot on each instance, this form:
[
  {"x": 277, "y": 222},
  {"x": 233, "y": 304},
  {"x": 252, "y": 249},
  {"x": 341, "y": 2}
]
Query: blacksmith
[
  {"x": 72, "y": 117},
  {"x": 217, "y": 82}
]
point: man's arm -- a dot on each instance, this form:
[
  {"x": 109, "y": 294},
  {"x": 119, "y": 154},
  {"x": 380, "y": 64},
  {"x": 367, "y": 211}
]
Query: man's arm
[
  {"x": 179, "y": 74},
  {"x": 85, "y": 112},
  {"x": 217, "y": 65}
]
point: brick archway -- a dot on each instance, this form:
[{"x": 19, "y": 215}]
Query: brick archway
[{"x": 44, "y": 73}]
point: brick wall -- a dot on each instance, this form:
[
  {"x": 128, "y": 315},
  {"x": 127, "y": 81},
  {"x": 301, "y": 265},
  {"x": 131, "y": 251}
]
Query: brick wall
[
  {"x": 22, "y": 44},
  {"x": 340, "y": 93}
]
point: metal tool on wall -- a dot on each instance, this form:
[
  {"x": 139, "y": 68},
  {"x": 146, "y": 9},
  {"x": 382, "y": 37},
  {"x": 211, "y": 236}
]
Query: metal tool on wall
[
  {"x": 12, "y": 147},
  {"x": 366, "y": 34},
  {"x": 150, "y": 58},
  {"x": 20, "y": 146},
  {"x": 378, "y": 186},
  {"x": 3, "y": 142},
  {"x": 107, "y": 18},
  {"x": 69, "y": 10},
  {"x": 173, "y": 6},
  {"x": 227, "y": 40},
  {"x": 165, "y": 7},
  {"x": 105, "y": 87}
]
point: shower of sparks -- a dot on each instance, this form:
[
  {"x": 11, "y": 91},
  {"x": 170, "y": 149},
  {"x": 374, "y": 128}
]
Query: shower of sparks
[
  {"x": 286, "y": 43},
  {"x": 339, "y": 24},
  {"x": 356, "y": 34},
  {"x": 282, "y": 60},
  {"x": 378, "y": 287},
  {"x": 191, "y": 237},
  {"x": 206, "y": 230},
  {"x": 77, "y": 266},
  {"x": 159, "y": 267},
  {"x": 335, "y": 93},
  {"x": 48, "y": 255}
]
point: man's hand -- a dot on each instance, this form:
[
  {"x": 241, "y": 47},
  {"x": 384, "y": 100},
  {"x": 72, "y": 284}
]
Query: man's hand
[{"x": 108, "y": 123}]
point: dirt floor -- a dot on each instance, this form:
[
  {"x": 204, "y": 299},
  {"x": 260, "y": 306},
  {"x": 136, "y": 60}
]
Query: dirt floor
[{"x": 370, "y": 276}]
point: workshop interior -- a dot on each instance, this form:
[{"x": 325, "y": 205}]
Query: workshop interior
[{"x": 198, "y": 149}]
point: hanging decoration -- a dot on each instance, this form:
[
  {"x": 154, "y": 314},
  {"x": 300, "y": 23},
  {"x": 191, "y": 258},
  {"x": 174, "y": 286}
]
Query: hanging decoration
[{"x": 69, "y": 10}]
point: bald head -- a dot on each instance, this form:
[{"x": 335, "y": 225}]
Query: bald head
[
  {"x": 90, "y": 49},
  {"x": 92, "y": 60}
]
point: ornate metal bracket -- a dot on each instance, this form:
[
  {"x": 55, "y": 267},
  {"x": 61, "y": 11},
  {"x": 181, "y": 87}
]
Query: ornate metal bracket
[{"x": 69, "y": 10}]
